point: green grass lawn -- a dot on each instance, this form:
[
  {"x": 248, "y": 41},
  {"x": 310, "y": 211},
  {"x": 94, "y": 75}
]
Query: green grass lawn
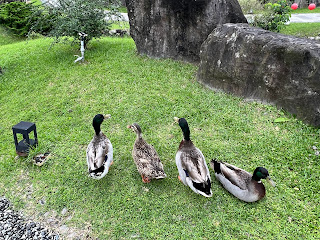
[
  {"x": 7, "y": 38},
  {"x": 120, "y": 25},
  {"x": 41, "y": 84},
  {"x": 306, "y": 10},
  {"x": 302, "y": 29}
]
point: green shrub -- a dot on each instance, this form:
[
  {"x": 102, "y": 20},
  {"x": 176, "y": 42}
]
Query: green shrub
[
  {"x": 275, "y": 17},
  {"x": 70, "y": 17},
  {"x": 17, "y": 16},
  {"x": 21, "y": 18},
  {"x": 9, "y": 1}
]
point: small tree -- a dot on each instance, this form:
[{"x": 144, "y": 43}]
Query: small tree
[{"x": 71, "y": 17}]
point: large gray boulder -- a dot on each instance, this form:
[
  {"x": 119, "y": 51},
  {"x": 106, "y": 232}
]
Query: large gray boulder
[
  {"x": 262, "y": 65},
  {"x": 177, "y": 28}
]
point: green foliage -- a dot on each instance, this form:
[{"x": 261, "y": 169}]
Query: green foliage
[
  {"x": 274, "y": 17},
  {"x": 70, "y": 17},
  {"x": 9, "y": 1},
  {"x": 17, "y": 16}
]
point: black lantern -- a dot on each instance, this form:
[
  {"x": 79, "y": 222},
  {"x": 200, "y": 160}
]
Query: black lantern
[{"x": 24, "y": 128}]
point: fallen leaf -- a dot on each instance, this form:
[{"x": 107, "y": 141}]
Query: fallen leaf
[{"x": 281, "y": 119}]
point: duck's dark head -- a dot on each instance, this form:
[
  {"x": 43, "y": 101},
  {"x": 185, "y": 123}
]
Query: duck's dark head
[
  {"x": 135, "y": 128},
  {"x": 262, "y": 173},
  {"x": 184, "y": 127},
  {"x": 97, "y": 120}
]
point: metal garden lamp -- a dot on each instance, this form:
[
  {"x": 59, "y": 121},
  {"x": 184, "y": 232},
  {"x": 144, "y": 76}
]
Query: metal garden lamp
[{"x": 24, "y": 128}]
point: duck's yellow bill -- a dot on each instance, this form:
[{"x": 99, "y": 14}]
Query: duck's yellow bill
[{"x": 272, "y": 183}]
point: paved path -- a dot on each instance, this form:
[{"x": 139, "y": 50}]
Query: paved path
[
  {"x": 305, "y": 17},
  {"x": 297, "y": 18}
]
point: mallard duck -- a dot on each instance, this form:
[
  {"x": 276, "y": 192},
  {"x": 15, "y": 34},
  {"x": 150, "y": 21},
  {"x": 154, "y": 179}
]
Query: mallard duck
[
  {"x": 99, "y": 151},
  {"x": 192, "y": 167},
  {"x": 146, "y": 157},
  {"x": 240, "y": 183}
]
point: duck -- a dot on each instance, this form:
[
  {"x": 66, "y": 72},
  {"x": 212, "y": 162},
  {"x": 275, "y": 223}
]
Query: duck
[
  {"x": 240, "y": 183},
  {"x": 191, "y": 164},
  {"x": 146, "y": 157},
  {"x": 99, "y": 150}
]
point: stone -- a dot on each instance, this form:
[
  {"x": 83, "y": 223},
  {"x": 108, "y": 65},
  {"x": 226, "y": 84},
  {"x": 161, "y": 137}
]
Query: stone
[
  {"x": 177, "y": 28},
  {"x": 64, "y": 229},
  {"x": 64, "y": 211},
  {"x": 119, "y": 32},
  {"x": 257, "y": 64}
]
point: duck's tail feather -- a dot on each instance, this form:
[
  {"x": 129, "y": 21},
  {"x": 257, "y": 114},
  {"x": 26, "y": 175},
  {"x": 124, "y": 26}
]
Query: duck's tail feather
[
  {"x": 97, "y": 170},
  {"x": 216, "y": 166},
  {"x": 160, "y": 176},
  {"x": 204, "y": 187}
]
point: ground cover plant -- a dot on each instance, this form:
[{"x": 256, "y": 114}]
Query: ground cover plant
[{"x": 41, "y": 84}]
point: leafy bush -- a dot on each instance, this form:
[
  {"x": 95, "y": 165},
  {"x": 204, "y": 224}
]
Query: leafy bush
[
  {"x": 9, "y": 1},
  {"x": 17, "y": 16},
  {"x": 274, "y": 17},
  {"x": 70, "y": 17}
]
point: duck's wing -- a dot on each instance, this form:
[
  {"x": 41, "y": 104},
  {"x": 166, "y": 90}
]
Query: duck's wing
[
  {"x": 193, "y": 163},
  {"x": 147, "y": 157},
  {"x": 97, "y": 151},
  {"x": 235, "y": 175}
]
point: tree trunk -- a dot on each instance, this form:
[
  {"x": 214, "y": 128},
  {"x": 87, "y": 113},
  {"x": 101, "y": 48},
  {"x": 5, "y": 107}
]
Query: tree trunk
[{"x": 302, "y": 3}]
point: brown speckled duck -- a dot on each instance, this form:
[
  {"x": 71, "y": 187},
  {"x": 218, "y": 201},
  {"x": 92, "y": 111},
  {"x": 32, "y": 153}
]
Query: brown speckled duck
[
  {"x": 99, "y": 151},
  {"x": 146, "y": 158},
  {"x": 240, "y": 183},
  {"x": 191, "y": 164}
]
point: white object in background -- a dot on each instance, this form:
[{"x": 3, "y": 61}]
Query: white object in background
[{"x": 82, "y": 49}]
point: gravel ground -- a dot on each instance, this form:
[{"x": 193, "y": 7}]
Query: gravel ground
[{"x": 13, "y": 226}]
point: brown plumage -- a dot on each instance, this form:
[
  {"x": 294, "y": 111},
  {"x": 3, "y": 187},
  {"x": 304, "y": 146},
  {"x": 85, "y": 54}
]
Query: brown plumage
[
  {"x": 146, "y": 158},
  {"x": 192, "y": 161}
]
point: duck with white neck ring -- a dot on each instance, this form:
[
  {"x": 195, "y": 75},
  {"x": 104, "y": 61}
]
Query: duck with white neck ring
[
  {"x": 240, "y": 183},
  {"x": 99, "y": 150},
  {"x": 191, "y": 164}
]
